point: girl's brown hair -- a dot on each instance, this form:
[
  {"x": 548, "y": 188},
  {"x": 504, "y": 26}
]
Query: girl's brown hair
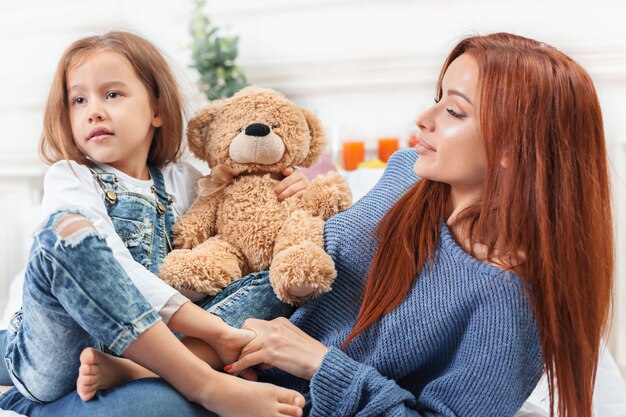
[
  {"x": 548, "y": 201},
  {"x": 56, "y": 141}
]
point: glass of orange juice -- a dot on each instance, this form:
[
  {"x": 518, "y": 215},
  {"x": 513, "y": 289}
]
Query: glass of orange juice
[
  {"x": 353, "y": 154},
  {"x": 386, "y": 147}
]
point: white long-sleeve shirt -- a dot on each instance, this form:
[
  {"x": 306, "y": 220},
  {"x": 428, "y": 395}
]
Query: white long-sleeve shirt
[{"x": 71, "y": 186}]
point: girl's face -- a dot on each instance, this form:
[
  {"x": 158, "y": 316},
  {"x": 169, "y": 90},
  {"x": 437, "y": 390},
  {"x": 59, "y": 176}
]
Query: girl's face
[
  {"x": 111, "y": 112},
  {"x": 450, "y": 148}
]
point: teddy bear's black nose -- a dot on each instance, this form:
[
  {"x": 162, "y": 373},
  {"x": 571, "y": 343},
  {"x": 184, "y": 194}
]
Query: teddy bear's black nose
[{"x": 257, "y": 129}]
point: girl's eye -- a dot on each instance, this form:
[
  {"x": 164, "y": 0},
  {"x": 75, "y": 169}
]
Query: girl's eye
[
  {"x": 455, "y": 114},
  {"x": 113, "y": 94},
  {"x": 78, "y": 100}
]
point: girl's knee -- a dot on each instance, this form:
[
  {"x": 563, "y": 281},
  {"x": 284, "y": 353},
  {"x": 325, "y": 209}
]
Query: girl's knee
[
  {"x": 61, "y": 230},
  {"x": 67, "y": 229},
  {"x": 72, "y": 226}
]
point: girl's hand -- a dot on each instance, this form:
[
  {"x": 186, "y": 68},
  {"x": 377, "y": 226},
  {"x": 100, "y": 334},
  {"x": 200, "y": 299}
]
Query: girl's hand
[
  {"x": 280, "y": 344},
  {"x": 293, "y": 185}
]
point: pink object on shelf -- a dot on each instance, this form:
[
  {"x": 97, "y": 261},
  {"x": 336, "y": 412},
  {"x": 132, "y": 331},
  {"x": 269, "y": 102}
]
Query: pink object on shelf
[{"x": 324, "y": 165}]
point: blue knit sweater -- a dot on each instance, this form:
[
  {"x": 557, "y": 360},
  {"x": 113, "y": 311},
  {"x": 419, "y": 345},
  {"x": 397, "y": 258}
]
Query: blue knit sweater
[{"x": 464, "y": 342}]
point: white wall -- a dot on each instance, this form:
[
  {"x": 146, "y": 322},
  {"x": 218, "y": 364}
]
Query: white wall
[{"x": 366, "y": 67}]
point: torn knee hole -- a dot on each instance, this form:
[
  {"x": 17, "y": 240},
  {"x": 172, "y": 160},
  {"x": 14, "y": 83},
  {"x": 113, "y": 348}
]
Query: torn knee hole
[{"x": 70, "y": 224}]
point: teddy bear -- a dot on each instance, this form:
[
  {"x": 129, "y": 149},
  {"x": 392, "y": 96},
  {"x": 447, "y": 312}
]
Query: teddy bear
[{"x": 237, "y": 225}]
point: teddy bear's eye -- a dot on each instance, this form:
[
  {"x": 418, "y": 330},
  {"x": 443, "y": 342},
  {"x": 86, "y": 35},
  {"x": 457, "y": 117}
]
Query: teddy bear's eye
[
  {"x": 240, "y": 130},
  {"x": 274, "y": 127}
]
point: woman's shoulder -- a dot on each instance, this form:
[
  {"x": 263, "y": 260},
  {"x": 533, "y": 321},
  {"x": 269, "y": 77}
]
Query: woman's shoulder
[
  {"x": 400, "y": 166},
  {"x": 489, "y": 282}
]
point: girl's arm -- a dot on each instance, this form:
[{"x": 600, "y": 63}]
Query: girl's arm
[{"x": 76, "y": 191}]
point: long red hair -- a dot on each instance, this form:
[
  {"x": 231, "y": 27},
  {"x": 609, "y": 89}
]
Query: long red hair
[{"x": 547, "y": 197}]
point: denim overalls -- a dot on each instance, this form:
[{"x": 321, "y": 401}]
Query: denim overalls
[
  {"x": 76, "y": 294},
  {"x": 144, "y": 225}
]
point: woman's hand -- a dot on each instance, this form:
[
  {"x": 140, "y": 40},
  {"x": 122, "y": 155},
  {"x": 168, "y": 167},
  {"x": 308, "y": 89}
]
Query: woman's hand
[
  {"x": 280, "y": 344},
  {"x": 293, "y": 185}
]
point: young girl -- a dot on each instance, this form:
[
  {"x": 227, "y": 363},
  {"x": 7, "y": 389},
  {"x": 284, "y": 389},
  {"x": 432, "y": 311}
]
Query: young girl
[{"x": 113, "y": 127}]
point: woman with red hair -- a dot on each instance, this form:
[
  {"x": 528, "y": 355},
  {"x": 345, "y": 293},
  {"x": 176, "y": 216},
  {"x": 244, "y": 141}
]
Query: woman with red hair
[
  {"x": 492, "y": 267},
  {"x": 481, "y": 259}
]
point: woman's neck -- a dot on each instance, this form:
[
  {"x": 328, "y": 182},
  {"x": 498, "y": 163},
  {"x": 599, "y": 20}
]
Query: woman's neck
[
  {"x": 459, "y": 201},
  {"x": 460, "y": 230}
]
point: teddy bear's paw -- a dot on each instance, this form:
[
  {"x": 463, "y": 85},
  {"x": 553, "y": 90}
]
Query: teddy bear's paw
[
  {"x": 186, "y": 240},
  {"x": 302, "y": 290},
  {"x": 184, "y": 269},
  {"x": 327, "y": 195},
  {"x": 301, "y": 272}
]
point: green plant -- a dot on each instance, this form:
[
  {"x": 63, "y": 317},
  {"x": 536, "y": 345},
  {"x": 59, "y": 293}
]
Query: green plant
[{"x": 214, "y": 57}]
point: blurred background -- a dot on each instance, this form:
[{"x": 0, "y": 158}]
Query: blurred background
[{"x": 366, "y": 68}]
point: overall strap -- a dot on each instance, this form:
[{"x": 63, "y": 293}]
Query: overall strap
[
  {"x": 107, "y": 181},
  {"x": 164, "y": 200}
]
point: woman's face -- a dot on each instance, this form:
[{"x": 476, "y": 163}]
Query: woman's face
[{"x": 449, "y": 146}]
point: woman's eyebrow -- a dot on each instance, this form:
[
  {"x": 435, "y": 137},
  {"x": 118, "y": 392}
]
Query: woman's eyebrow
[{"x": 458, "y": 93}]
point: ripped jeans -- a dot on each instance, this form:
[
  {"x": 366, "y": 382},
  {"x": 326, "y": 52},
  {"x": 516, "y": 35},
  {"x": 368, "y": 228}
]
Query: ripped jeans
[{"x": 76, "y": 295}]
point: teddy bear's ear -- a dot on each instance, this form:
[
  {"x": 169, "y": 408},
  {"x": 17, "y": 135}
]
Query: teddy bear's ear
[
  {"x": 318, "y": 139},
  {"x": 197, "y": 127}
]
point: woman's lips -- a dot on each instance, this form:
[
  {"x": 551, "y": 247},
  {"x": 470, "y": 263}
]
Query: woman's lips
[{"x": 423, "y": 148}]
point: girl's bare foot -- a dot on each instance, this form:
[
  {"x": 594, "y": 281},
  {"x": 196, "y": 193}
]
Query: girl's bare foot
[
  {"x": 100, "y": 371},
  {"x": 232, "y": 396}
]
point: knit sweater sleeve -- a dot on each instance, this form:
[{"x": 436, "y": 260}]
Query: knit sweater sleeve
[
  {"x": 494, "y": 369},
  {"x": 345, "y": 387}
]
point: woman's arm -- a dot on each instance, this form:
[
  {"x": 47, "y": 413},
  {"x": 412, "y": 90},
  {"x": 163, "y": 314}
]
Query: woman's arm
[
  {"x": 333, "y": 374},
  {"x": 492, "y": 368},
  {"x": 293, "y": 185}
]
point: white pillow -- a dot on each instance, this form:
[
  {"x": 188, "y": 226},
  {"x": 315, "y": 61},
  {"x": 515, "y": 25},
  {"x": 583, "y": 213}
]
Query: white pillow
[
  {"x": 15, "y": 298},
  {"x": 609, "y": 399}
]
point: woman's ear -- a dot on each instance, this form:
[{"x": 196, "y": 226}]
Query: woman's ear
[
  {"x": 197, "y": 128},
  {"x": 318, "y": 139}
]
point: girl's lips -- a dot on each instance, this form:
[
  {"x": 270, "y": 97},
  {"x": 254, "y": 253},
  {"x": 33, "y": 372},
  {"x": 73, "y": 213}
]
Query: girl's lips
[
  {"x": 99, "y": 132},
  {"x": 100, "y": 137},
  {"x": 423, "y": 148}
]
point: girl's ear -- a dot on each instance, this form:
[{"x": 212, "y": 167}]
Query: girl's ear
[
  {"x": 197, "y": 128},
  {"x": 318, "y": 139},
  {"x": 157, "y": 120}
]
